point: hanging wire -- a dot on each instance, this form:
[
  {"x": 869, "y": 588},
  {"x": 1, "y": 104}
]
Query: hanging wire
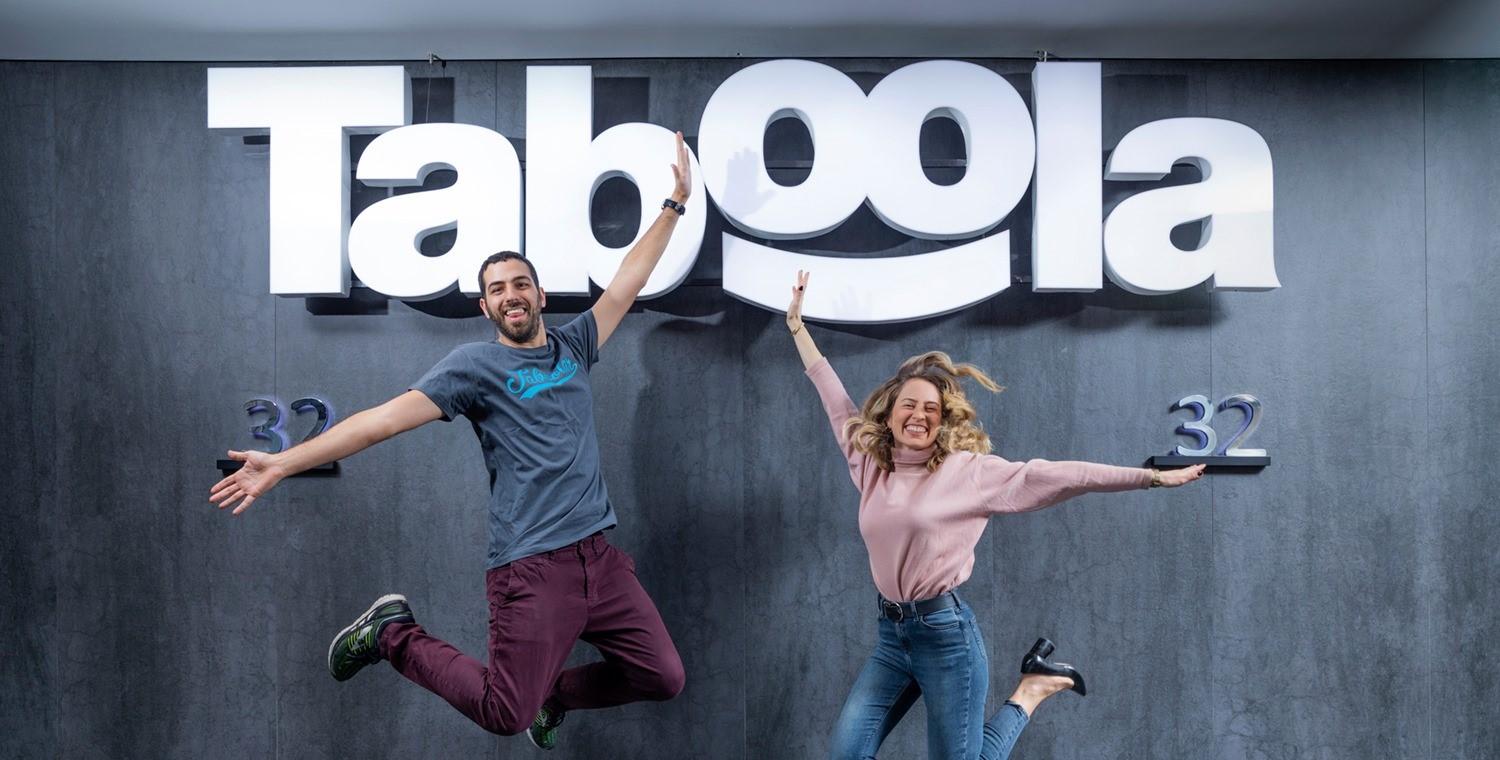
[{"x": 432, "y": 59}]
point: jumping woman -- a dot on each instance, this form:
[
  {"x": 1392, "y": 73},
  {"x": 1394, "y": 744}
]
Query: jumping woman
[{"x": 927, "y": 487}]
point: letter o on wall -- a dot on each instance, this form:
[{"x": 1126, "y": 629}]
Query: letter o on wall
[
  {"x": 731, "y": 140},
  {"x": 998, "y": 141}
]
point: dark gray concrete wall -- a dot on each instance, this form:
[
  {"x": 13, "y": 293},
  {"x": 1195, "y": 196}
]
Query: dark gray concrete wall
[
  {"x": 1456, "y": 563},
  {"x": 1337, "y": 605}
]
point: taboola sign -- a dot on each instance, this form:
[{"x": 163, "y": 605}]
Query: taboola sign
[{"x": 866, "y": 148}]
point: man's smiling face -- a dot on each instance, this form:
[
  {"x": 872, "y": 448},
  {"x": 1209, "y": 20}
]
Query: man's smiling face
[{"x": 512, "y": 300}]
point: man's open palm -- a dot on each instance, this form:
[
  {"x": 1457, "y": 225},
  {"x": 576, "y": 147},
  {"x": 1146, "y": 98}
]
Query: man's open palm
[{"x": 246, "y": 484}]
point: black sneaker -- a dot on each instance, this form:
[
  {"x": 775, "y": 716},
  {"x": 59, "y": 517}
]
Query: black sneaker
[
  {"x": 359, "y": 644},
  {"x": 543, "y": 731}
]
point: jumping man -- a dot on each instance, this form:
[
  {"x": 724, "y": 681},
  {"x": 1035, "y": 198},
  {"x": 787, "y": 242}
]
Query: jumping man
[{"x": 552, "y": 578}]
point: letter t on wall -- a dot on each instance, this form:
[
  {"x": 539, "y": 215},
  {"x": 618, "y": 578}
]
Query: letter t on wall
[{"x": 309, "y": 113}]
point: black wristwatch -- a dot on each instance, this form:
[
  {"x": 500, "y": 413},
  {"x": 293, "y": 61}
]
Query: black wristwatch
[{"x": 675, "y": 206}]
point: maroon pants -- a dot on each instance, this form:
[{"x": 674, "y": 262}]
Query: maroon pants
[{"x": 539, "y": 606}]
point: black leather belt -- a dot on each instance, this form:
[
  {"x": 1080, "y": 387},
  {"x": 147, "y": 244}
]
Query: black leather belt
[{"x": 898, "y": 611}]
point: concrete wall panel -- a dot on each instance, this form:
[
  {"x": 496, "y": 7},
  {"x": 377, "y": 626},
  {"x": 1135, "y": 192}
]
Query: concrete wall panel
[{"x": 1333, "y": 605}]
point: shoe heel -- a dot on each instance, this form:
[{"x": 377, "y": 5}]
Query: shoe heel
[
  {"x": 1035, "y": 662},
  {"x": 1042, "y": 648}
]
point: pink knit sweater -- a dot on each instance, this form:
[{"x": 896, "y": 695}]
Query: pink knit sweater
[{"x": 921, "y": 527}]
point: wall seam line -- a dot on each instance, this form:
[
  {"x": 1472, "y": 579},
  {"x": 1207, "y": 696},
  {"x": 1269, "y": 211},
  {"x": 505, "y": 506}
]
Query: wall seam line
[
  {"x": 494, "y": 71},
  {"x": 497, "y": 745},
  {"x": 1212, "y": 511},
  {"x": 1426, "y": 388},
  {"x": 745, "y": 340},
  {"x": 276, "y": 681},
  {"x": 57, "y": 158}
]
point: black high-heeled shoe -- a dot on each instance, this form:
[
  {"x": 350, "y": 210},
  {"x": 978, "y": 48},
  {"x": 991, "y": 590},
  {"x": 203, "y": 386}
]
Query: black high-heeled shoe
[{"x": 1035, "y": 661}]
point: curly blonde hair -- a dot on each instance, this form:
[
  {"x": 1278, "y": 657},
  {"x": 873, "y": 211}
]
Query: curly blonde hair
[{"x": 869, "y": 431}]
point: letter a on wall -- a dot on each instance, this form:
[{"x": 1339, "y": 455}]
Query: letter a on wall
[{"x": 1233, "y": 200}]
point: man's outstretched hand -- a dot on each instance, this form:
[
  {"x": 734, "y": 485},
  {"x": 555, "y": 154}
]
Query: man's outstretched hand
[
  {"x": 682, "y": 171},
  {"x": 250, "y": 482}
]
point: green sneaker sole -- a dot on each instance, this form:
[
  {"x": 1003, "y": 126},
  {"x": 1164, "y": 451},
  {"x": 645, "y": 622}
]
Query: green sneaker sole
[
  {"x": 363, "y": 619},
  {"x": 534, "y": 742},
  {"x": 549, "y": 733}
]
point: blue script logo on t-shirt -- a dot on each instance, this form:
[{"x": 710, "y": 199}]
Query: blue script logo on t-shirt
[{"x": 529, "y": 381}]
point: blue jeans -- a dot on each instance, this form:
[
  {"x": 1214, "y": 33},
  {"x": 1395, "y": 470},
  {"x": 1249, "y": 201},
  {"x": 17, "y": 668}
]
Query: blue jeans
[{"x": 939, "y": 657}]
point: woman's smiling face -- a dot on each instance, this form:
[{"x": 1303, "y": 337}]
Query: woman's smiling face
[{"x": 916, "y": 415}]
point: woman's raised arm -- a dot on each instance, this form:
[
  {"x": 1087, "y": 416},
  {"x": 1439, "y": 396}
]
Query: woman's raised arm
[
  {"x": 831, "y": 391},
  {"x": 806, "y": 348}
]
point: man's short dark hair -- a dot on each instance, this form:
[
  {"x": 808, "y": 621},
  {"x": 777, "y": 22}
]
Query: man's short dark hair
[{"x": 496, "y": 258}]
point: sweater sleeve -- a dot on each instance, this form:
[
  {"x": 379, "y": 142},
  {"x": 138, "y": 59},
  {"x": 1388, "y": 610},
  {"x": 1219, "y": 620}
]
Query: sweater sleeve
[
  {"x": 840, "y": 409},
  {"x": 1035, "y": 484}
]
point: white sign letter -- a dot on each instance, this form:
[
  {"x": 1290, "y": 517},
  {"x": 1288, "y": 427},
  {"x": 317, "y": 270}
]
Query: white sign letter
[
  {"x": 564, "y": 167},
  {"x": 1234, "y": 200},
  {"x": 867, "y": 146},
  {"x": 732, "y": 133},
  {"x": 997, "y": 141},
  {"x": 309, "y": 113},
  {"x": 484, "y": 204},
  {"x": 1068, "y": 199}
]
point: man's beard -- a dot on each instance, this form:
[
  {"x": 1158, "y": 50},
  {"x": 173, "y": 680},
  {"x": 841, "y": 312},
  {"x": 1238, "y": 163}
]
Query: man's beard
[{"x": 521, "y": 332}]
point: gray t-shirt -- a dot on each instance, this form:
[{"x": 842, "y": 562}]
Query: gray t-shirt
[{"x": 533, "y": 411}]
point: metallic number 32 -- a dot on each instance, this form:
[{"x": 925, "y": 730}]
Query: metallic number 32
[
  {"x": 1207, "y": 439},
  {"x": 272, "y": 430}
]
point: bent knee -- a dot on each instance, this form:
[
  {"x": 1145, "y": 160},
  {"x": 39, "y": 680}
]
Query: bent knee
[
  {"x": 668, "y": 681},
  {"x": 505, "y": 727},
  {"x": 505, "y": 723}
]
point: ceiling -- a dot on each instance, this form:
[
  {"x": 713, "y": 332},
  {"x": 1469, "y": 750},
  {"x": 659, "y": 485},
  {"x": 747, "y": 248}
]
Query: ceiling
[{"x": 344, "y": 30}]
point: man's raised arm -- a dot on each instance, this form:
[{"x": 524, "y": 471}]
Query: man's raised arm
[
  {"x": 642, "y": 258},
  {"x": 261, "y": 471}
]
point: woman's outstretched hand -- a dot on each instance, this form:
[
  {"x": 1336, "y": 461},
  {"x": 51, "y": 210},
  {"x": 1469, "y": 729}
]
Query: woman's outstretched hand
[
  {"x": 794, "y": 311},
  {"x": 1174, "y": 478}
]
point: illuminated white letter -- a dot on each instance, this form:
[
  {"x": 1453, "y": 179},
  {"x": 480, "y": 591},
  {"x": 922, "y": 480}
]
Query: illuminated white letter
[
  {"x": 869, "y": 146},
  {"x": 997, "y": 140},
  {"x": 1066, "y": 243},
  {"x": 732, "y": 133},
  {"x": 564, "y": 167},
  {"x": 309, "y": 112},
  {"x": 484, "y": 204},
  {"x": 862, "y": 290},
  {"x": 1234, "y": 200}
]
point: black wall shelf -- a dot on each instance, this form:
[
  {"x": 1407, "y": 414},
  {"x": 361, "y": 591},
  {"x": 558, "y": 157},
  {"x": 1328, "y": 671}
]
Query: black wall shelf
[
  {"x": 1214, "y": 463},
  {"x": 330, "y": 470}
]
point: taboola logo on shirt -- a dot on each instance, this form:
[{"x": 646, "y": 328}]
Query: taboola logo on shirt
[
  {"x": 529, "y": 381},
  {"x": 866, "y": 153}
]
